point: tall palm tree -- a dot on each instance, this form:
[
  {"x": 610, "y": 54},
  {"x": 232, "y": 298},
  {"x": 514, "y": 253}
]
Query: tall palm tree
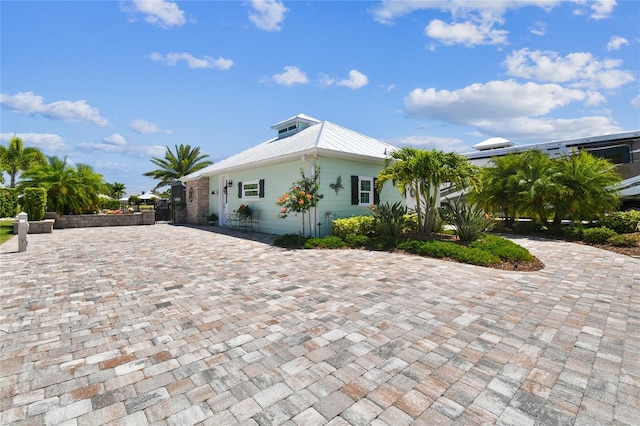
[
  {"x": 14, "y": 158},
  {"x": 424, "y": 172},
  {"x": 116, "y": 190},
  {"x": 586, "y": 187},
  {"x": 173, "y": 166},
  {"x": 69, "y": 189}
]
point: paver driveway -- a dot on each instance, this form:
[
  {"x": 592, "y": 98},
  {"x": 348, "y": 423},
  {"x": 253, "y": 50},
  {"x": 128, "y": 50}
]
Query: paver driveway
[{"x": 176, "y": 325}]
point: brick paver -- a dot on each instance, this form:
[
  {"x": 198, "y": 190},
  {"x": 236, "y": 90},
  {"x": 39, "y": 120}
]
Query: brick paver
[{"x": 176, "y": 325}]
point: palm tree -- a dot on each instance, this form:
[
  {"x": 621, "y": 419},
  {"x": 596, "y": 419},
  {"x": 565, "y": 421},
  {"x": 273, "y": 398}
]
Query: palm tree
[
  {"x": 69, "y": 189},
  {"x": 423, "y": 173},
  {"x": 116, "y": 190},
  {"x": 174, "y": 166},
  {"x": 15, "y": 158},
  {"x": 586, "y": 187}
]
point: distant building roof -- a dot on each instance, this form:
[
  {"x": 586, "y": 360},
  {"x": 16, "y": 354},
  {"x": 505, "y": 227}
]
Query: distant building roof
[
  {"x": 493, "y": 143},
  {"x": 303, "y": 135}
]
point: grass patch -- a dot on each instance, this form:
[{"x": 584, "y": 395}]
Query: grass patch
[{"x": 6, "y": 230}]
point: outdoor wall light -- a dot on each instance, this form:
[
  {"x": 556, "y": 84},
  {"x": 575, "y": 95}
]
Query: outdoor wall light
[
  {"x": 229, "y": 183},
  {"x": 213, "y": 192}
]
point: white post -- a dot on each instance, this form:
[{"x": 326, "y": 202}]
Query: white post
[{"x": 23, "y": 229}]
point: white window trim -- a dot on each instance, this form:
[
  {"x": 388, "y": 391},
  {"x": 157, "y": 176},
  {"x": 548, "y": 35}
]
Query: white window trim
[
  {"x": 251, "y": 197},
  {"x": 371, "y": 196}
]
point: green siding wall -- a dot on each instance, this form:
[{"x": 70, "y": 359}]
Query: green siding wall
[{"x": 278, "y": 180}]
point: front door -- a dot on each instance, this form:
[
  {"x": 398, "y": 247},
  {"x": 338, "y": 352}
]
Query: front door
[{"x": 223, "y": 199}]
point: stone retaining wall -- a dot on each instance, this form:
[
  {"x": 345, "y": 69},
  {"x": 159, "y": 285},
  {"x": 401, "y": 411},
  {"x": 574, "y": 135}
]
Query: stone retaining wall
[
  {"x": 37, "y": 227},
  {"x": 147, "y": 217}
]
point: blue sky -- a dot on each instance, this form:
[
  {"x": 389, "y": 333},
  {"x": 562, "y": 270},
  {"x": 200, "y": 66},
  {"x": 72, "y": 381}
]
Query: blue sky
[{"x": 112, "y": 83}]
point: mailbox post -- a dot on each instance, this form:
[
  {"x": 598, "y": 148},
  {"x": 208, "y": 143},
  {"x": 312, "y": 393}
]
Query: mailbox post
[{"x": 23, "y": 229}]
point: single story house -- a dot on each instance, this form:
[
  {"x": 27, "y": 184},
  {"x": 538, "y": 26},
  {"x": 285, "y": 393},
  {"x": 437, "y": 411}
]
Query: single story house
[{"x": 349, "y": 163}]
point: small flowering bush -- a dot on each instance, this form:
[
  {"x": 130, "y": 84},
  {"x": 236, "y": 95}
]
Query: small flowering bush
[
  {"x": 301, "y": 197},
  {"x": 244, "y": 210}
]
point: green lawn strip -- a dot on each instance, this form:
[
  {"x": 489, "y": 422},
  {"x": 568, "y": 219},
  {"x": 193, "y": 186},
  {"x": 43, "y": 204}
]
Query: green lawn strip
[{"x": 6, "y": 230}]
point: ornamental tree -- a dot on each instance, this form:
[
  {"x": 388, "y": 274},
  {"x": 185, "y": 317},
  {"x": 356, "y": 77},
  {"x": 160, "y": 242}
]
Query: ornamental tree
[{"x": 301, "y": 197}]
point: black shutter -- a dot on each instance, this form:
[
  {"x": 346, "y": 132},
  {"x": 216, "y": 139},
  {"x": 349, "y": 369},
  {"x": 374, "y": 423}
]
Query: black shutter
[
  {"x": 239, "y": 189},
  {"x": 261, "y": 189},
  {"x": 376, "y": 194},
  {"x": 355, "y": 190}
]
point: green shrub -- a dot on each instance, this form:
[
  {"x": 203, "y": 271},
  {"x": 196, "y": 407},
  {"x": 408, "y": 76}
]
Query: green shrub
[
  {"x": 624, "y": 240},
  {"x": 389, "y": 219},
  {"x": 8, "y": 202},
  {"x": 598, "y": 235},
  {"x": 357, "y": 241},
  {"x": 442, "y": 249},
  {"x": 34, "y": 202},
  {"x": 357, "y": 225},
  {"x": 108, "y": 204},
  {"x": 328, "y": 242},
  {"x": 410, "y": 223},
  {"x": 469, "y": 221},
  {"x": 290, "y": 241},
  {"x": 528, "y": 227},
  {"x": 622, "y": 222},
  {"x": 503, "y": 248},
  {"x": 573, "y": 233},
  {"x": 381, "y": 243}
]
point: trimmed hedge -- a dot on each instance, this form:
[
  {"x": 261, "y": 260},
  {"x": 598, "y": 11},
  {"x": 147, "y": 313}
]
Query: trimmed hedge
[
  {"x": 622, "y": 222},
  {"x": 34, "y": 203},
  {"x": 598, "y": 235},
  {"x": 357, "y": 225},
  {"x": 624, "y": 240},
  {"x": 8, "y": 202}
]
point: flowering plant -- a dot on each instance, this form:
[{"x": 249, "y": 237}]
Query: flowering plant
[
  {"x": 301, "y": 197},
  {"x": 244, "y": 210}
]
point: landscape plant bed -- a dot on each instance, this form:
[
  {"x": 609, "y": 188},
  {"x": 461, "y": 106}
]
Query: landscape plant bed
[{"x": 489, "y": 251}]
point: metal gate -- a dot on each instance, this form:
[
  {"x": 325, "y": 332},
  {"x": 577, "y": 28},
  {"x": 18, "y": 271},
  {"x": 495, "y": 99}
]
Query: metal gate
[{"x": 163, "y": 213}]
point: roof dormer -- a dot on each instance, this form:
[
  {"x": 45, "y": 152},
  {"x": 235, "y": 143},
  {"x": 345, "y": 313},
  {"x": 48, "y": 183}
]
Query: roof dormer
[{"x": 293, "y": 125}]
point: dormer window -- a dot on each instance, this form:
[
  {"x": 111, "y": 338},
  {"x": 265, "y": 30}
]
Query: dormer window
[{"x": 294, "y": 125}]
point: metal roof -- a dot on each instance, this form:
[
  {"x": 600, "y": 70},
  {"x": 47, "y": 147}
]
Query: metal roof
[{"x": 322, "y": 138}]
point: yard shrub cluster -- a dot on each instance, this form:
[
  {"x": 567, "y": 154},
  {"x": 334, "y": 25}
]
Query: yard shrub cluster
[
  {"x": 446, "y": 249},
  {"x": 357, "y": 225},
  {"x": 8, "y": 202},
  {"x": 34, "y": 202},
  {"x": 503, "y": 248},
  {"x": 598, "y": 235},
  {"x": 486, "y": 250},
  {"x": 623, "y": 222}
]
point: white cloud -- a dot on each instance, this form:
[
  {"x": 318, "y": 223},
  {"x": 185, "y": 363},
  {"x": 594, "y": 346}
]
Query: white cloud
[
  {"x": 490, "y": 101},
  {"x": 171, "y": 59},
  {"x": 579, "y": 69},
  {"x": 70, "y": 111},
  {"x": 146, "y": 127},
  {"x": 431, "y": 142},
  {"x": 547, "y": 129},
  {"x": 49, "y": 143},
  {"x": 164, "y": 14},
  {"x": 356, "y": 80},
  {"x": 267, "y": 15},
  {"x": 635, "y": 102},
  {"x": 473, "y": 22},
  {"x": 616, "y": 43},
  {"x": 601, "y": 9},
  {"x": 539, "y": 29},
  {"x": 509, "y": 109},
  {"x": 466, "y": 33},
  {"x": 116, "y": 144},
  {"x": 290, "y": 77},
  {"x": 115, "y": 139}
]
